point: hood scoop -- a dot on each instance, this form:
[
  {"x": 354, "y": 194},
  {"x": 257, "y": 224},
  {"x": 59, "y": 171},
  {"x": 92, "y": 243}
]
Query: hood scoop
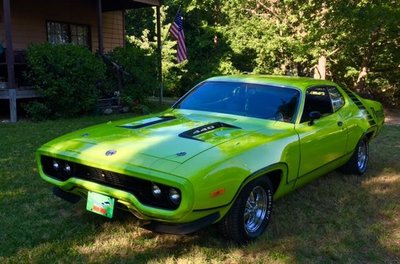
[
  {"x": 149, "y": 122},
  {"x": 192, "y": 133}
]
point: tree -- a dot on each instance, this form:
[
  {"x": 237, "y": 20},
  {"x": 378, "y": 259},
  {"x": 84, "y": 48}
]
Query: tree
[{"x": 355, "y": 42}]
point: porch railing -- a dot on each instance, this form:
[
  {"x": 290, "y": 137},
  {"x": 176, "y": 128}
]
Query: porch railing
[{"x": 113, "y": 102}]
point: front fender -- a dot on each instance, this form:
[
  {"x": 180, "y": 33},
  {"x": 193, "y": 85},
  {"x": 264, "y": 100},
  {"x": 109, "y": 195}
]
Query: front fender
[{"x": 221, "y": 172}]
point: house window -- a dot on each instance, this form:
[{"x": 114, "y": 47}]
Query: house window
[{"x": 59, "y": 32}]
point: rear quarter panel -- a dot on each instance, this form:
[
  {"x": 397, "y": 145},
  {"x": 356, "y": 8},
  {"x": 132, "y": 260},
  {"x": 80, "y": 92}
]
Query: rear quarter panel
[{"x": 360, "y": 118}]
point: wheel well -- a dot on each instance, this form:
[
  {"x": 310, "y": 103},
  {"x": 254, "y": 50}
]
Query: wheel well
[
  {"x": 275, "y": 178},
  {"x": 369, "y": 135}
]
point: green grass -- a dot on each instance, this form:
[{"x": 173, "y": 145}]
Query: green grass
[{"x": 336, "y": 219}]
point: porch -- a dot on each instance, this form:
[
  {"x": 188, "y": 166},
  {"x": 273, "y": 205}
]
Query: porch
[{"x": 35, "y": 21}]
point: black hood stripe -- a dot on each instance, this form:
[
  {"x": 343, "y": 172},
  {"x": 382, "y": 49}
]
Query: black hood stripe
[
  {"x": 161, "y": 120},
  {"x": 360, "y": 106},
  {"x": 190, "y": 134}
]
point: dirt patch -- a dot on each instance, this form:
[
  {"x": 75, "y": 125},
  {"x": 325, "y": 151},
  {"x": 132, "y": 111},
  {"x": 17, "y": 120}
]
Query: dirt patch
[{"x": 392, "y": 117}]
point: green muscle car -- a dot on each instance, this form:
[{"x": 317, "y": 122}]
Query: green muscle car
[{"x": 221, "y": 154}]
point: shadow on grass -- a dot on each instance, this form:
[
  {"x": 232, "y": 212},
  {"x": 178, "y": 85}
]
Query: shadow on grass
[
  {"x": 72, "y": 234},
  {"x": 385, "y": 152},
  {"x": 337, "y": 218}
]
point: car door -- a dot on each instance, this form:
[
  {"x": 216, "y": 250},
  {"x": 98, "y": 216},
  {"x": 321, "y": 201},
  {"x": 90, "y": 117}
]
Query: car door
[{"x": 323, "y": 140}]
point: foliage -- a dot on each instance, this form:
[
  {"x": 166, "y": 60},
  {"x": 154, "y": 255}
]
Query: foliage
[
  {"x": 145, "y": 38},
  {"x": 368, "y": 37},
  {"x": 38, "y": 111},
  {"x": 205, "y": 58},
  {"x": 67, "y": 76},
  {"x": 359, "y": 40},
  {"x": 141, "y": 77}
]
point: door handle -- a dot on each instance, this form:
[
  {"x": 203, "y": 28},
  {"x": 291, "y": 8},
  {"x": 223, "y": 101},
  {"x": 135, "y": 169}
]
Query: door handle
[{"x": 340, "y": 123}]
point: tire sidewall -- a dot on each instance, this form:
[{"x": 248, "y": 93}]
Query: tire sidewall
[
  {"x": 240, "y": 207},
  {"x": 363, "y": 170}
]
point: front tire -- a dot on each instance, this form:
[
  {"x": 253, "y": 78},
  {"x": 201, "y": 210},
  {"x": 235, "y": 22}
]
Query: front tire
[
  {"x": 250, "y": 214},
  {"x": 358, "y": 162}
]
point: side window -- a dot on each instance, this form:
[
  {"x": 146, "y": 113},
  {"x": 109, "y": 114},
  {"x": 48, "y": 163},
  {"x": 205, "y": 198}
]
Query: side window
[
  {"x": 317, "y": 99},
  {"x": 336, "y": 97}
]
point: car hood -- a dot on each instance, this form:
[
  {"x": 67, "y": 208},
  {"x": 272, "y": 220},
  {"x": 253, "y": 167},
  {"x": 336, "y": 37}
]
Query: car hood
[{"x": 172, "y": 136}]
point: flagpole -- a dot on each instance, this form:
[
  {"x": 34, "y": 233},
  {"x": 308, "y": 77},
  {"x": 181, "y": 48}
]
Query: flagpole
[{"x": 160, "y": 43}]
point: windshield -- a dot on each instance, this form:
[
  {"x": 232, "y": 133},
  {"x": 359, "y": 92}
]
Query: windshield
[{"x": 245, "y": 99}]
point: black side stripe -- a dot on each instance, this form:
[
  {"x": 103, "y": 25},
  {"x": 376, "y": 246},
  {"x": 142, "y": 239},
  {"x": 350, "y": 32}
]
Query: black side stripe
[
  {"x": 190, "y": 134},
  {"x": 360, "y": 106},
  {"x": 162, "y": 120}
]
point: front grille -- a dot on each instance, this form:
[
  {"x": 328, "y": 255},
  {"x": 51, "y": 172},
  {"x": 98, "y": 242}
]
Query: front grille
[
  {"x": 110, "y": 178},
  {"x": 140, "y": 188}
]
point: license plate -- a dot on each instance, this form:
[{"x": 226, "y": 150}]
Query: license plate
[{"x": 100, "y": 204}]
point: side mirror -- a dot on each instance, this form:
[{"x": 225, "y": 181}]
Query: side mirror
[{"x": 314, "y": 115}]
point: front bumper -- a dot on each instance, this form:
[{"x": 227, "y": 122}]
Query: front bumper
[
  {"x": 80, "y": 186},
  {"x": 185, "y": 228},
  {"x": 155, "y": 226}
]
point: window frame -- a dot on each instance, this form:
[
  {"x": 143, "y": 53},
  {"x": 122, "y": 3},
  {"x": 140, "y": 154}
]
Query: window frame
[
  {"x": 325, "y": 87},
  {"x": 69, "y": 31}
]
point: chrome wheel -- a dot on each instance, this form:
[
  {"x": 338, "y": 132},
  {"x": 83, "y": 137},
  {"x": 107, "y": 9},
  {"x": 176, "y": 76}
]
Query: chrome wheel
[
  {"x": 250, "y": 214},
  {"x": 255, "y": 210},
  {"x": 358, "y": 162},
  {"x": 362, "y": 155}
]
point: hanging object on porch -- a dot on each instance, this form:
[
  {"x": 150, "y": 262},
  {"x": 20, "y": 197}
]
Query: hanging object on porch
[{"x": 176, "y": 31}]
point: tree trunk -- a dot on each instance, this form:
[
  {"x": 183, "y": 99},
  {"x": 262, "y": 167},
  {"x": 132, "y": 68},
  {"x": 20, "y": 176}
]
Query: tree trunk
[
  {"x": 320, "y": 69},
  {"x": 360, "y": 84}
]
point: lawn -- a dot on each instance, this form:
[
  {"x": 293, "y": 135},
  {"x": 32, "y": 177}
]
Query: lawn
[{"x": 336, "y": 219}]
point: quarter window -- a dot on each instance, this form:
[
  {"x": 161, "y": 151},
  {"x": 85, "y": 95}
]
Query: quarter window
[
  {"x": 336, "y": 97},
  {"x": 59, "y": 32}
]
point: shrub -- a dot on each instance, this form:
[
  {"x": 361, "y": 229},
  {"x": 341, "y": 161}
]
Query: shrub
[
  {"x": 38, "y": 111},
  {"x": 67, "y": 76},
  {"x": 142, "y": 68}
]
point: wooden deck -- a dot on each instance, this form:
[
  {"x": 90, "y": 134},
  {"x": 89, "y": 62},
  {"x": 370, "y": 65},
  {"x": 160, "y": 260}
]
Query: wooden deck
[
  {"x": 20, "y": 93},
  {"x": 12, "y": 95}
]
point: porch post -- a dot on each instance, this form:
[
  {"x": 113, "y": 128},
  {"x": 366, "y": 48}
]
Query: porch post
[
  {"x": 100, "y": 26},
  {"x": 159, "y": 46},
  {"x": 10, "y": 61}
]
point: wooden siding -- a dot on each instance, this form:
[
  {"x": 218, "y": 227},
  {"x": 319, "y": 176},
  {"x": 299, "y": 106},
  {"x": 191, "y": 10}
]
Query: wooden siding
[
  {"x": 113, "y": 30},
  {"x": 29, "y": 21}
]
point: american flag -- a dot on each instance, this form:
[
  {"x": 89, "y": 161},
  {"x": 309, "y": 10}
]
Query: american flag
[{"x": 176, "y": 31}]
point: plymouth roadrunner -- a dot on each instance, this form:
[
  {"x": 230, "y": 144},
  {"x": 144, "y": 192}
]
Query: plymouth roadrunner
[{"x": 220, "y": 155}]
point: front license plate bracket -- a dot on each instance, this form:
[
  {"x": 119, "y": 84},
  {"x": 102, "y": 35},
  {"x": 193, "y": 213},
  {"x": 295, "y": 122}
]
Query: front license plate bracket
[{"x": 100, "y": 204}]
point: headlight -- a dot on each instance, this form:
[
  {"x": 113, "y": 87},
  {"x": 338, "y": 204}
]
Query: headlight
[
  {"x": 67, "y": 168},
  {"x": 174, "y": 196},
  {"x": 156, "y": 191},
  {"x": 56, "y": 165}
]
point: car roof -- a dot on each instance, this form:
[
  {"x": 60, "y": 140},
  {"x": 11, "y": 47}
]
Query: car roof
[{"x": 276, "y": 80}]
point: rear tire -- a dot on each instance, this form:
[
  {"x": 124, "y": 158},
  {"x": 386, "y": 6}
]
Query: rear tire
[
  {"x": 358, "y": 162},
  {"x": 250, "y": 214}
]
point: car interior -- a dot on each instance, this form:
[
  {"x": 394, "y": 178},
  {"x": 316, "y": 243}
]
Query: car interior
[{"x": 317, "y": 99}]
